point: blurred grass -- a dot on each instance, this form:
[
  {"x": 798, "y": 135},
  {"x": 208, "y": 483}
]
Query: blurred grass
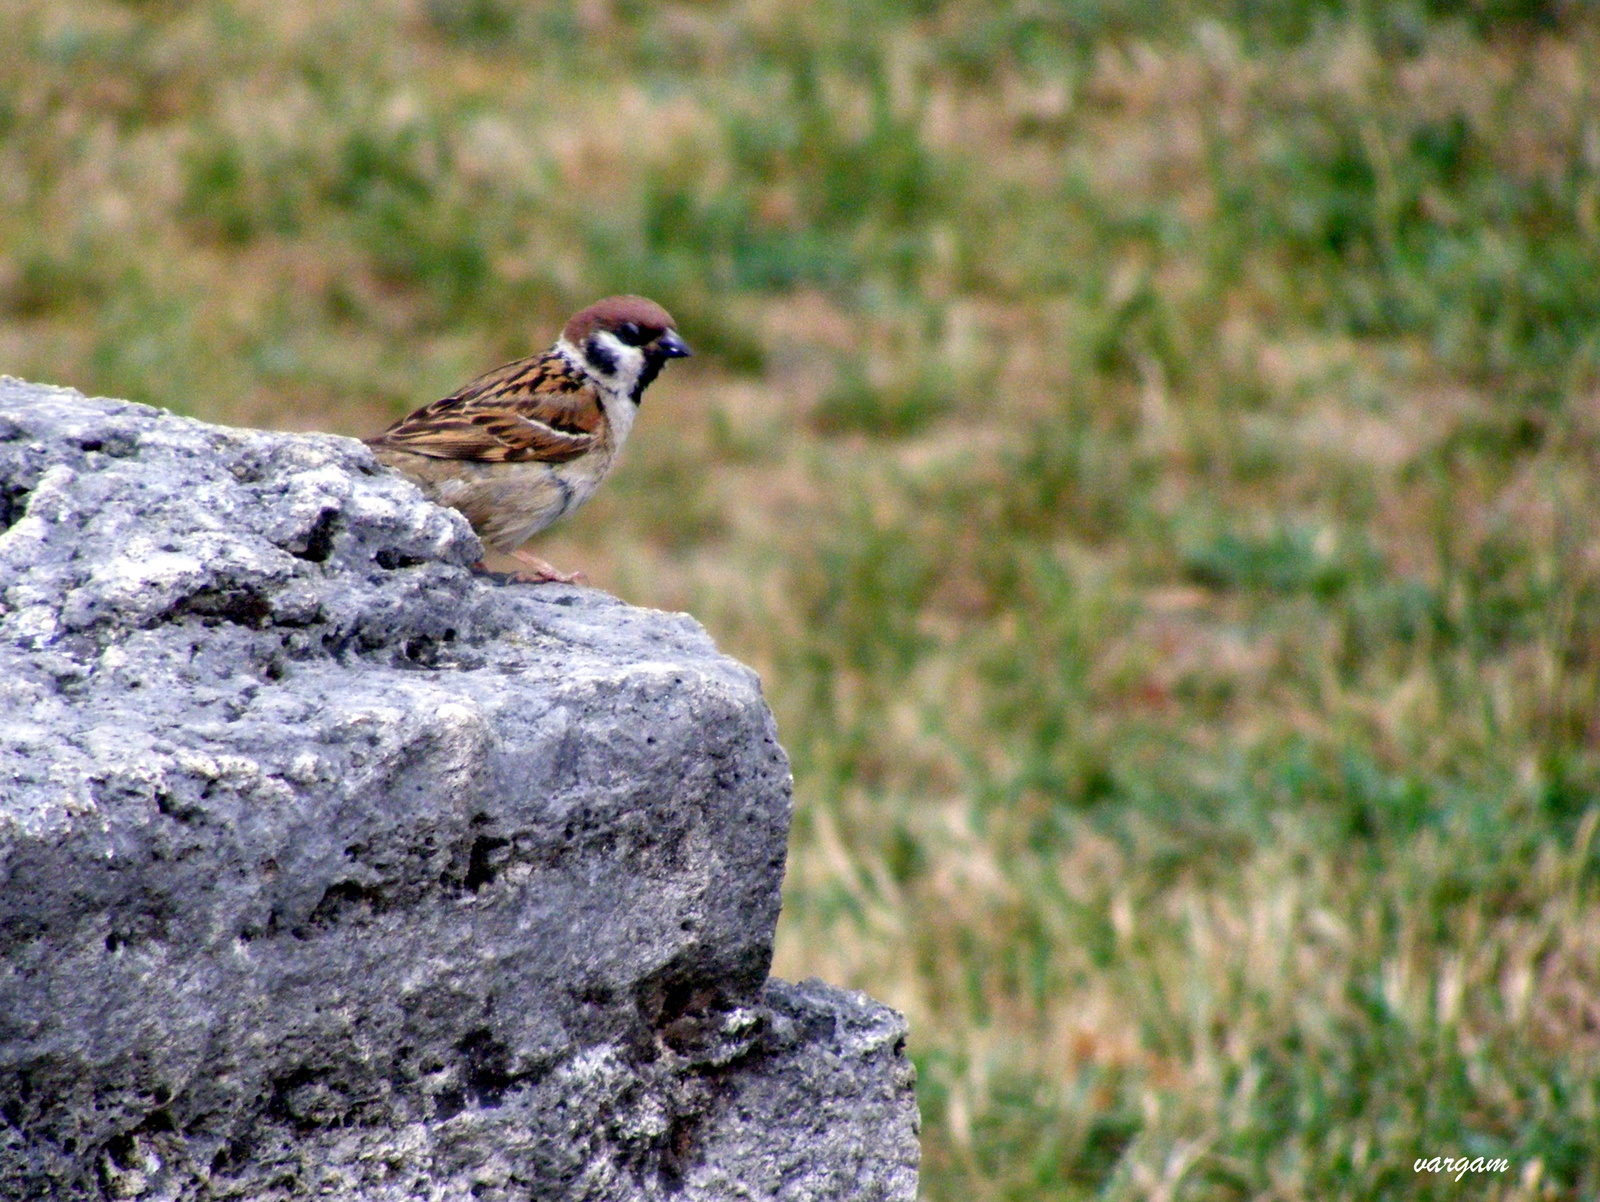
[{"x": 1149, "y": 449}]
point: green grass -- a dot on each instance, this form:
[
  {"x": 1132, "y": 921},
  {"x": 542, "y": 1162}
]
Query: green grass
[{"x": 1149, "y": 450}]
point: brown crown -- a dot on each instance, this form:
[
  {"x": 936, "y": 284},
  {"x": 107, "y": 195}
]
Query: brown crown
[{"x": 614, "y": 311}]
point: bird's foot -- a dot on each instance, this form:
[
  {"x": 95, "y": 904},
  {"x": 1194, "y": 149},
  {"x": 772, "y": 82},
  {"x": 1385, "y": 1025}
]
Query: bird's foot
[{"x": 541, "y": 572}]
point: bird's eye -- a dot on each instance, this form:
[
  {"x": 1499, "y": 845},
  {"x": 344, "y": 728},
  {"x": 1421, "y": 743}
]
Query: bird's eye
[{"x": 630, "y": 333}]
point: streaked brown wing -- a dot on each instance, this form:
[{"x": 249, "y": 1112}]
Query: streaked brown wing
[{"x": 533, "y": 409}]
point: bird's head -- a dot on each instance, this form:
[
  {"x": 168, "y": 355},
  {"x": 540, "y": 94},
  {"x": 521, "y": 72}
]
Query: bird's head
[{"x": 624, "y": 341}]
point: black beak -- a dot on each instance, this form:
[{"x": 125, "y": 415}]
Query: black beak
[{"x": 670, "y": 346}]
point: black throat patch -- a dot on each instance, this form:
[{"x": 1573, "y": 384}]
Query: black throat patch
[{"x": 654, "y": 361}]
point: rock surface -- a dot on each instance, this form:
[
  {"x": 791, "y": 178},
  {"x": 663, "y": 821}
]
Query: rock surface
[{"x": 331, "y": 870}]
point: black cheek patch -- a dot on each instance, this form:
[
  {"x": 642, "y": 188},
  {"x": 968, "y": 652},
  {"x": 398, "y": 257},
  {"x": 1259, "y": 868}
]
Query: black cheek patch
[{"x": 600, "y": 358}]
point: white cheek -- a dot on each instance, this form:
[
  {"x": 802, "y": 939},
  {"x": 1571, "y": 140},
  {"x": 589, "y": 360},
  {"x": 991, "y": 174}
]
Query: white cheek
[{"x": 629, "y": 359}]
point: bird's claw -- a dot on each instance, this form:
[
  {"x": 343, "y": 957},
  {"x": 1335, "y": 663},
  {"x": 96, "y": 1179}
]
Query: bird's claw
[{"x": 542, "y": 573}]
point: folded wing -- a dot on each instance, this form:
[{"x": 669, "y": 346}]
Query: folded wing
[{"x": 535, "y": 409}]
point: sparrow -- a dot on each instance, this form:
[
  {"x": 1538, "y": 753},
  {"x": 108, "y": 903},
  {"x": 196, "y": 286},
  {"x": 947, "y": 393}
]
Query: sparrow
[{"x": 525, "y": 444}]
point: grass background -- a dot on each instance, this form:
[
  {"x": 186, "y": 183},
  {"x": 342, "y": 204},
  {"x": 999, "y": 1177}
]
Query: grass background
[{"x": 1148, "y": 448}]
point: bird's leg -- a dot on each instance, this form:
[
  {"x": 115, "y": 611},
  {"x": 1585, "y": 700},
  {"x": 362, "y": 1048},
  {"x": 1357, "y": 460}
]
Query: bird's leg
[{"x": 543, "y": 572}]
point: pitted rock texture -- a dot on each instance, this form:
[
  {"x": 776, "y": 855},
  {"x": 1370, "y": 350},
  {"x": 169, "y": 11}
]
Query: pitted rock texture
[{"x": 329, "y": 869}]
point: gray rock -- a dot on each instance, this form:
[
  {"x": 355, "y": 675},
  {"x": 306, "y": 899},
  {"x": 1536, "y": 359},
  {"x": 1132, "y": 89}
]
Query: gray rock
[{"x": 330, "y": 869}]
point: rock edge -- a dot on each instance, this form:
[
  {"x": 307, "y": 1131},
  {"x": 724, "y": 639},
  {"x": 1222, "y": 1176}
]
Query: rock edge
[{"x": 329, "y": 869}]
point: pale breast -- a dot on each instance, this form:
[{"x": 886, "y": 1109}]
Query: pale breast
[{"x": 508, "y": 503}]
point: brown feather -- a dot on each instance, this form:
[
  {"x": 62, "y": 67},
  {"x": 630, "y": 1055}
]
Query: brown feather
[
  {"x": 536, "y": 409},
  {"x": 611, "y": 312}
]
